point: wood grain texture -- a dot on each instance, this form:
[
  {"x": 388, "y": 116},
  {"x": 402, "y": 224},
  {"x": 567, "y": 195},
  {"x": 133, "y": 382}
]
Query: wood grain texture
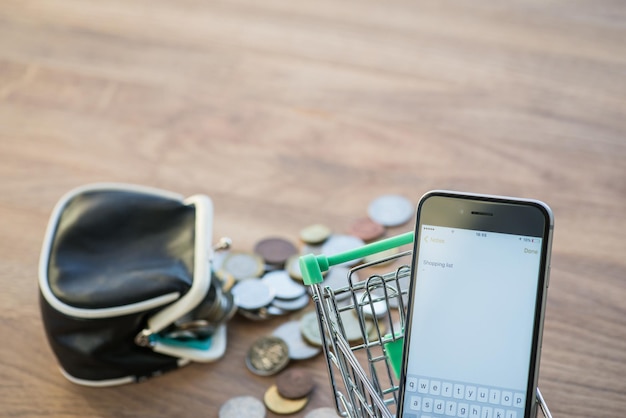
[{"x": 290, "y": 113}]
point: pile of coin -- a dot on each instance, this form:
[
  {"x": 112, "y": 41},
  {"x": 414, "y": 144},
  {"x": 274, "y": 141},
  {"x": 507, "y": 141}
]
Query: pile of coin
[
  {"x": 263, "y": 287},
  {"x": 266, "y": 283}
]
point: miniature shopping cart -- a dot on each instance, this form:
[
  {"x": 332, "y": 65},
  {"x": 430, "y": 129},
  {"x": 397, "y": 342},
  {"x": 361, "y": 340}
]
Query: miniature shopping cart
[{"x": 361, "y": 324}]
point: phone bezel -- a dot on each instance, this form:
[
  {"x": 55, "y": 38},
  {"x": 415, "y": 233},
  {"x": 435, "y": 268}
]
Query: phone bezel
[{"x": 494, "y": 214}]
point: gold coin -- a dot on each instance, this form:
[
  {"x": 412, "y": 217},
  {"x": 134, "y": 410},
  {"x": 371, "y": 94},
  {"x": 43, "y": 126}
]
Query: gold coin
[
  {"x": 309, "y": 327},
  {"x": 243, "y": 265},
  {"x": 375, "y": 333},
  {"x": 276, "y": 403},
  {"x": 267, "y": 356},
  {"x": 293, "y": 267},
  {"x": 351, "y": 326},
  {"x": 227, "y": 279},
  {"x": 315, "y": 234}
]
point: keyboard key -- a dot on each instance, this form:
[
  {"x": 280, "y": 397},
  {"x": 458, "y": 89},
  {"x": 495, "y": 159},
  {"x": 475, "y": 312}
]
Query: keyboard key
[
  {"x": 470, "y": 393},
  {"x": 439, "y": 406},
  {"x": 482, "y": 395},
  {"x": 474, "y": 411},
  {"x": 494, "y": 396},
  {"x": 498, "y": 413},
  {"x": 450, "y": 408},
  {"x": 411, "y": 384},
  {"x": 511, "y": 414},
  {"x": 507, "y": 398},
  {"x": 446, "y": 389},
  {"x": 427, "y": 404},
  {"x": 416, "y": 403},
  {"x": 459, "y": 391},
  {"x": 518, "y": 400},
  {"x": 487, "y": 412},
  {"x": 462, "y": 410},
  {"x": 423, "y": 385},
  {"x": 435, "y": 387}
]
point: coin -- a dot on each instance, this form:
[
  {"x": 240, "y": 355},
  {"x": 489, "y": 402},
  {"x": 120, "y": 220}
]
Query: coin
[
  {"x": 391, "y": 210},
  {"x": 324, "y": 412},
  {"x": 242, "y": 406},
  {"x": 292, "y": 265},
  {"x": 227, "y": 279},
  {"x": 315, "y": 234},
  {"x": 276, "y": 403},
  {"x": 284, "y": 287},
  {"x": 372, "y": 306},
  {"x": 252, "y": 294},
  {"x": 351, "y": 327},
  {"x": 337, "y": 279},
  {"x": 366, "y": 229},
  {"x": 382, "y": 258},
  {"x": 255, "y": 315},
  {"x": 340, "y": 243},
  {"x": 294, "y": 383},
  {"x": 310, "y": 329},
  {"x": 292, "y": 304},
  {"x": 243, "y": 265},
  {"x": 267, "y": 356},
  {"x": 298, "y": 348},
  {"x": 275, "y": 250},
  {"x": 375, "y": 334}
]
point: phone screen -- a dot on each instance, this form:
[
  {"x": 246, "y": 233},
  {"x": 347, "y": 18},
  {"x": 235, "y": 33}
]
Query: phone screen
[{"x": 472, "y": 323}]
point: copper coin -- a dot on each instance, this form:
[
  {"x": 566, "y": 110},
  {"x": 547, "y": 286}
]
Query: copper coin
[
  {"x": 366, "y": 229},
  {"x": 276, "y": 403},
  {"x": 295, "y": 383},
  {"x": 267, "y": 356},
  {"x": 275, "y": 251}
]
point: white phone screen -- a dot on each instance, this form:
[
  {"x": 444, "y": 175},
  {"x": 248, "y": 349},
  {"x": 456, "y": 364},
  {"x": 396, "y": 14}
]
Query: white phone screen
[{"x": 472, "y": 323}]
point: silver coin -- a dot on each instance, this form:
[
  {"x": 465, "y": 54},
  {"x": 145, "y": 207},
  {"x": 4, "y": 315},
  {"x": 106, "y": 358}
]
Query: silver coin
[
  {"x": 396, "y": 289},
  {"x": 298, "y": 348},
  {"x": 243, "y": 265},
  {"x": 337, "y": 279},
  {"x": 283, "y": 285},
  {"x": 324, "y": 412},
  {"x": 251, "y": 294},
  {"x": 311, "y": 249},
  {"x": 292, "y": 304},
  {"x": 372, "y": 306},
  {"x": 391, "y": 210},
  {"x": 273, "y": 310},
  {"x": 242, "y": 406},
  {"x": 339, "y": 243}
]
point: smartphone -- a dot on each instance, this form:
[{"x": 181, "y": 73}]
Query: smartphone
[{"x": 480, "y": 273}]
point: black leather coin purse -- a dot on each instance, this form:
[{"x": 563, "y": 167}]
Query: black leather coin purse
[{"x": 126, "y": 285}]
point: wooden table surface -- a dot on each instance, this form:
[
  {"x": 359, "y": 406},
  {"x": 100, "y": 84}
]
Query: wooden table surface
[{"x": 291, "y": 113}]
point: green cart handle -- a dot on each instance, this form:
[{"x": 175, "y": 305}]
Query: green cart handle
[{"x": 312, "y": 265}]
